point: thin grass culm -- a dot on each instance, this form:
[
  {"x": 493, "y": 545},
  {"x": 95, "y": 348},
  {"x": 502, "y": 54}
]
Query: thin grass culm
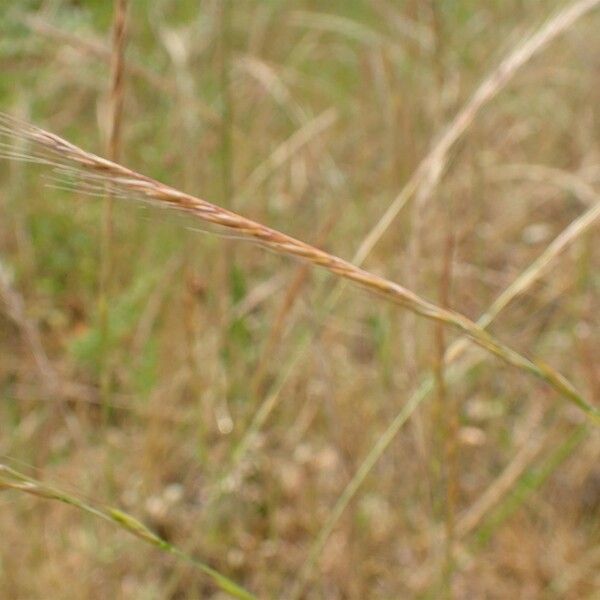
[
  {"x": 456, "y": 371},
  {"x": 425, "y": 179},
  {"x": 432, "y": 167},
  {"x": 114, "y": 146},
  {"x": 87, "y": 168},
  {"x": 11, "y": 479}
]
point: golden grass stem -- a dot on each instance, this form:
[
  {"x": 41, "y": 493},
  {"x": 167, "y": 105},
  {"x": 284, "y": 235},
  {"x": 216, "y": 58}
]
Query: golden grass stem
[
  {"x": 503, "y": 483},
  {"x": 117, "y": 69},
  {"x": 56, "y": 385},
  {"x": 226, "y": 102},
  {"x": 541, "y": 264},
  {"x": 358, "y": 479},
  {"x": 427, "y": 169},
  {"x": 117, "y": 80},
  {"x": 16, "y": 311},
  {"x": 446, "y": 424},
  {"x": 95, "y": 48},
  {"x": 456, "y": 350},
  {"x": 289, "y": 300},
  {"x": 430, "y": 170}
]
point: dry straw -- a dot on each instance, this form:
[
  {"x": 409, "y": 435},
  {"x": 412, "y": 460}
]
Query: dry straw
[
  {"x": 53, "y": 381},
  {"x": 15, "y": 307},
  {"x": 93, "y": 174},
  {"x": 431, "y": 169},
  {"x": 455, "y": 352},
  {"x": 422, "y": 184},
  {"x": 116, "y": 101}
]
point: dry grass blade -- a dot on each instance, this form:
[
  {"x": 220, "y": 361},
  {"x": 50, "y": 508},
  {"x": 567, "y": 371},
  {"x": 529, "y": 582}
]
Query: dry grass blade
[
  {"x": 117, "y": 85},
  {"x": 383, "y": 442},
  {"x": 10, "y": 479},
  {"x": 54, "y": 383},
  {"x": 16, "y": 311},
  {"x": 330, "y": 23},
  {"x": 539, "y": 266},
  {"x": 289, "y": 300},
  {"x": 574, "y": 230},
  {"x": 503, "y": 483},
  {"x": 584, "y": 569},
  {"x": 431, "y": 168},
  {"x": 95, "y": 48},
  {"x": 117, "y": 68},
  {"x": 145, "y": 188},
  {"x": 285, "y": 151}
]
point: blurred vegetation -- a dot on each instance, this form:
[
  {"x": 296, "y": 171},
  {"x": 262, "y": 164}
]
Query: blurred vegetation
[{"x": 309, "y": 117}]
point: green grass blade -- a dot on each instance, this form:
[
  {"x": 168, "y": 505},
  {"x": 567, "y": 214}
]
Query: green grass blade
[{"x": 14, "y": 480}]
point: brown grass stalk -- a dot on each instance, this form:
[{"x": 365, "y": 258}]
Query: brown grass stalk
[
  {"x": 92, "y": 169},
  {"x": 15, "y": 307},
  {"x": 117, "y": 81},
  {"x": 117, "y": 68},
  {"x": 456, "y": 351},
  {"x": 51, "y": 378},
  {"x": 446, "y": 423},
  {"x": 430, "y": 170},
  {"x": 227, "y": 148},
  {"x": 503, "y": 483},
  {"x": 289, "y": 300},
  {"x": 95, "y": 48}
]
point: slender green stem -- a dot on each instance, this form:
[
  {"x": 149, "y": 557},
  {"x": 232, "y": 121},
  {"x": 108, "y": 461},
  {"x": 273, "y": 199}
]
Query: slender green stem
[{"x": 14, "y": 480}]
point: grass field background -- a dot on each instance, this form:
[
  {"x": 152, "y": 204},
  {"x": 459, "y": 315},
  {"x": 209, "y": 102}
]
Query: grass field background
[{"x": 227, "y": 397}]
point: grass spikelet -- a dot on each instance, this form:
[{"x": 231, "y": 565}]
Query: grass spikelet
[{"x": 90, "y": 166}]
